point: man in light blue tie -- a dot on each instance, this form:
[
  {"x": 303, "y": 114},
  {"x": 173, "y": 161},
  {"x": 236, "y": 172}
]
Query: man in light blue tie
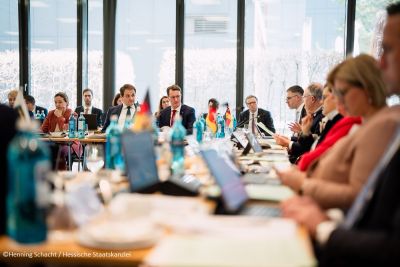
[{"x": 369, "y": 235}]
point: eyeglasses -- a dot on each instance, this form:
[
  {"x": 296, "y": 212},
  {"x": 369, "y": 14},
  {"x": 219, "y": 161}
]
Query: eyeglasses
[
  {"x": 305, "y": 96},
  {"x": 251, "y": 103},
  {"x": 290, "y": 97}
]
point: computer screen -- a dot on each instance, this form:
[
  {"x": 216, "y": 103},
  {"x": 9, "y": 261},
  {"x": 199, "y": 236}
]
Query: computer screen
[
  {"x": 233, "y": 192},
  {"x": 140, "y": 160}
]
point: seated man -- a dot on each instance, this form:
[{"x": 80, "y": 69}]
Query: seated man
[
  {"x": 254, "y": 115},
  {"x": 167, "y": 116},
  {"x": 88, "y": 108},
  {"x": 33, "y": 108},
  {"x": 125, "y": 111}
]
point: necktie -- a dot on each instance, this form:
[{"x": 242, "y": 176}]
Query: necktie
[
  {"x": 171, "y": 123},
  {"x": 366, "y": 194},
  {"x": 128, "y": 114},
  {"x": 86, "y": 110},
  {"x": 253, "y": 124}
]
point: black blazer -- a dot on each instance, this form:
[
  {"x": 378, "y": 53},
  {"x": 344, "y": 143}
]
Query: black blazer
[
  {"x": 299, "y": 148},
  {"x": 188, "y": 117},
  {"x": 8, "y": 118},
  {"x": 111, "y": 111},
  {"x": 98, "y": 112},
  {"x": 309, "y": 140},
  {"x": 264, "y": 116},
  {"x": 375, "y": 239}
]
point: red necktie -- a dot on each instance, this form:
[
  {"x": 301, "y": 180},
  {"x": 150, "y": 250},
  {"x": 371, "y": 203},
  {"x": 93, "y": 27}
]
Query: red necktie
[
  {"x": 171, "y": 123},
  {"x": 253, "y": 124}
]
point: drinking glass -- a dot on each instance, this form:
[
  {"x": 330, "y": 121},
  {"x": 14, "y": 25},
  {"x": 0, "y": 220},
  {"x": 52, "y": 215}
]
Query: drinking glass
[{"x": 94, "y": 157}]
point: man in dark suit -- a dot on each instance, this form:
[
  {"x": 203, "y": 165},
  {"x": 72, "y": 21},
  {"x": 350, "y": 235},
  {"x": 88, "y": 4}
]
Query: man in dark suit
[
  {"x": 88, "y": 108},
  {"x": 294, "y": 100},
  {"x": 253, "y": 115},
  {"x": 370, "y": 234},
  {"x": 8, "y": 118},
  {"x": 312, "y": 102},
  {"x": 126, "y": 111},
  {"x": 168, "y": 115},
  {"x": 32, "y": 107}
]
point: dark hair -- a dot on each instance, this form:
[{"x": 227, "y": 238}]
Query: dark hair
[
  {"x": 126, "y": 87},
  {"x": 393, "y": 9},
  {"x": 63, "y": 96},
  {"x": 214, "y": 103},
  {"x": 160, "y": 104},
  {"x": 115, "y": 100},
  {"x": 296, "y": 89},
  {"x": 30, "y": 99},
  {"x": 174, "y": 87},
  {"x": 87, "y": 90}
]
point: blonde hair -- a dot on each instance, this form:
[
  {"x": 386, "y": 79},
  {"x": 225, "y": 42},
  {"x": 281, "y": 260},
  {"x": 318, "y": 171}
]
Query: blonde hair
[
  {"x": 13, "y": 93},
  {"x": 362, "y": 71}
]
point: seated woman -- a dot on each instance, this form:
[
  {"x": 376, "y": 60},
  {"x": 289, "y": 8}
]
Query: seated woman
[
  {"x": 333, "y": 127},
  {"x": 57, "y": 121},
  {"x": 335, "y": 179},
  {"x": 117, "y": 100},
  {"x": 164, "y": 103}
]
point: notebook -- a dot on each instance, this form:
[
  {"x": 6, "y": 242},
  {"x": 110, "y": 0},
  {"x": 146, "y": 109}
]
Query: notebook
[
  {"x": 91, "y": 120},
  {"x": 233, "y": 192}
]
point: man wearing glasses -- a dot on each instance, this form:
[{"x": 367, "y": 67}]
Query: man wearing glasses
[
  {"x": 294, "y": 100},
  {"x": 253, "y": 115}
]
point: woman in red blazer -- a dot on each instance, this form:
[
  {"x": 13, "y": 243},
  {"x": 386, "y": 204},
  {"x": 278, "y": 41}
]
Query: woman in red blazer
[{"x": 57, "y": 121}]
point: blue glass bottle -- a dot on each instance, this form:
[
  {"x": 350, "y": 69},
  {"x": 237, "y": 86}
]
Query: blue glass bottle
[
  {"x": 114, "y": 157},
  {"x": 28, "y": 189},
  {"x": 178, "y": 134},
  {"x": 72, "y": 126},
  {"x": 198, "y": 130},
  {"x": 221, "y": 127},
  {"x": 81, "y": 126}
]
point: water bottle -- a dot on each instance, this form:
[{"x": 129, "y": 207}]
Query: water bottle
[
  {"x": 37, "y": 115},
  {"x": 198, "y": 130},
  {"x": 114, "y": 157},
  {"x": 81, "y": 126},
  {"x": 42, "y": 116},
  {"x": 178, "y": 134},
  {"x": 28, "y": 189},
  {"x": 221, "y": 127},
  {"x": 71, "y": 126},
  {"x": 234, "y": 123}
]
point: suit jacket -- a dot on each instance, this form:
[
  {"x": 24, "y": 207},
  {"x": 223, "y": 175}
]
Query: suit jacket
[
  {"x": 187, "y": 114},
  {"x": 339, "y": 130},
  {"x": 116, "y": 110},
  {"x": 264, "y": 116},
  {"x": 299, "y": 148},
  {"x": 7, "y": 121},
  {"x": 375, "y": 239},
  {"x": 98, "y": 112},
  {"x": 335, "y": 178},
  {"x": 49, "y": 124}
]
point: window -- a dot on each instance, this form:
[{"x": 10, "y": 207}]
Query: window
[
  {"x": 95, "y": 51},
  {"x": 53, "y": 55},
  {"x": 370, "y": 20},
  {"x": 290, "y": 42},
  {"x": 145, "y": 46},
  {"x": 9, "y": 50},
  {"x": 210, "y": 53}
]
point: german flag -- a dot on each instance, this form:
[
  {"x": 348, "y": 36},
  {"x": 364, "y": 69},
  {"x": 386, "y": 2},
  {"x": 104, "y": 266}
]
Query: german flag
[
  {"x": 228, "y": 118},
  {"x": 211, "y": 119},
  {"x": 143, "y": 116}
]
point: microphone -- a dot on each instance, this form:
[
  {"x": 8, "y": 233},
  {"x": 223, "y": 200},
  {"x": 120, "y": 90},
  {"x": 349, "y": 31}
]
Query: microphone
[{"x": 246, "y": 121}]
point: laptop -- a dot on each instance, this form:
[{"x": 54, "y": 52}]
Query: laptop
[
  {"x": 91, "y": 120},
  {"x": 141, "y": 168},
  {"x": 233, "y": 193}
]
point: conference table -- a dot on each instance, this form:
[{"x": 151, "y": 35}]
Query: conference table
[{"x": 90, "y": 139}]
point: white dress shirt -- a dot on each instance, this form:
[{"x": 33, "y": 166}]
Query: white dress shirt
[{"x": 122, "y": 117}]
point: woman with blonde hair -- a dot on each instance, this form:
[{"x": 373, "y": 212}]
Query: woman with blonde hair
[{"x": 335, "y": 179}]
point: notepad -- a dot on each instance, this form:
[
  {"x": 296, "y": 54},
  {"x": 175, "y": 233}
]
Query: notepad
[
  {"x": 269, "y": 192},
  {"x": 262, "y": 126}
]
